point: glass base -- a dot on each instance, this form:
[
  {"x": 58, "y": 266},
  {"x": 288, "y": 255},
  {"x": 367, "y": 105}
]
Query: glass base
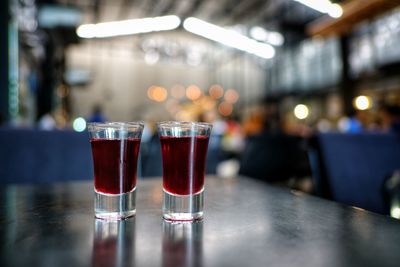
[
  {"x": 115, "y": 207},
  {"x": 183, "y": 208}
]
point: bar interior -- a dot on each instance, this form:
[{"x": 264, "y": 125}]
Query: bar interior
[{"x": 302, "y": 166}]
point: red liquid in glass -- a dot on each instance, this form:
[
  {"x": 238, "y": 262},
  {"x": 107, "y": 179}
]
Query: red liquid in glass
[
  {"x": 177, "y": 163},
  {"x": 115, "y": 164}
]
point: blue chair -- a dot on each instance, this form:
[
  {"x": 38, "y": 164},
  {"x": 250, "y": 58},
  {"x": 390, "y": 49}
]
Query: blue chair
[
  {"x": 35, "y": 156},
  {"x": 215, "y": 155},
  {"x": 274, "y": 157},
  {"x": 151, "y": 161},
  {"x": 352, "y": 168}
]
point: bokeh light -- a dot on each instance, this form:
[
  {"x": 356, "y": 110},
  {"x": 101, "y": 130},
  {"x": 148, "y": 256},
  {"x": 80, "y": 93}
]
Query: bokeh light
[
  {"x": 193, "y": 92},
  {"x": 335, "y": 11},
  {"x": 157, "y": 93},
  {"x": 231, "y": 96},
  {"x": 150, "y": 92},
  {"x": 225, "y": 108},
  {"x": 362, "y": 102},
  {"x": 301, "y": 111},
  {"x": 79, "y": 124},
  {"x": 395, "y": 212},
  {"x": 216, "y": 91}
]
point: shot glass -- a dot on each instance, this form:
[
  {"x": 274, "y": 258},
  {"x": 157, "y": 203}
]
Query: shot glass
[
  {"x": 115, "y": 150},
  {"x": 184, "y": 149}
]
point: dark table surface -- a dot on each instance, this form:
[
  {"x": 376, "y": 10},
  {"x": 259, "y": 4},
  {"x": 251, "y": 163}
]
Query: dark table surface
[{"x": 247, "y": 223}]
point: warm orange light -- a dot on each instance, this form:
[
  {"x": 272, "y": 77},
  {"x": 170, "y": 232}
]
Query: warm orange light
[
  {"x": 225, "y": 108},
  {"x": 150, "y": 92},
  {"x": 157, "y": 93},
  {"x": 216, "y": 91},
  {"x": 178, "y": 91},
  {"x": 193, "y": 92},
  {"x": 160, "y": 94},
  {"x": 231, "y": 96}
]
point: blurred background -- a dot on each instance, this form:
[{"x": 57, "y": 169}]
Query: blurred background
[{"x": 302, "y": 93}]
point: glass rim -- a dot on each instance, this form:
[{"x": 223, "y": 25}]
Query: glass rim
[
  {"x": 184, "y": 123},
  {"x": 116, "y": 124}
]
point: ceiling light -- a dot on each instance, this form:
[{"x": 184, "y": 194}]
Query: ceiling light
[
  {"x": 324, "y": 6},
  {"x": 228, "y": 37},
  {"x": 128, "y": 27},
  {"x": 335, "y": 11}
]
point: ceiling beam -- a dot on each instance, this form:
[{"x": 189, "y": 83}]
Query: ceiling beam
[{"x": 354, "y": 12}]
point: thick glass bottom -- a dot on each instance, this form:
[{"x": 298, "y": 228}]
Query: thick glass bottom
[
  {"x": 115, "y": 207},
  {"x": 183, "y": 208}
]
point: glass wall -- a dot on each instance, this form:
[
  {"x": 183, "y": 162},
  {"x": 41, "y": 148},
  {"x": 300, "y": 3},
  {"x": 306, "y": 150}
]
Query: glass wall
[{"x": 312, "y": 65}]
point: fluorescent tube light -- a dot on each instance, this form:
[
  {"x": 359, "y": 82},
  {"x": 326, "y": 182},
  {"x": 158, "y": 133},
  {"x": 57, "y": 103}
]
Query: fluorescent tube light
[
  {"x": 128, "y": 27},
  {"x": 324, "y": 6},
  {"x": 228, "y": 37}
]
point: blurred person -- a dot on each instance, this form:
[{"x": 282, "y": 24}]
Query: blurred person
[
  {"x": 254, "y": 123},
  {"x": 352, "y": 123},
  {"x": 47, "y": 122},
  {"x": 324, "y": 125},
  {"x": 272, "y": 120},
  {"x": 389, "y": 116},
  {"x": 97, "y": 114},
  {"x": 349, "y": 125},
  {"x": 295, "y": 127},
  {"x": 219, "y": 125},
  {"x": 216, "y": 154},
  {"x": 233, "y": 138}
]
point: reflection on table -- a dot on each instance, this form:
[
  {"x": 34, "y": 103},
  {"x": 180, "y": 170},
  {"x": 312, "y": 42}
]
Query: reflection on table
[
  {"x": 182, "y": 244},
  {"x": 113, "y": 243}
]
